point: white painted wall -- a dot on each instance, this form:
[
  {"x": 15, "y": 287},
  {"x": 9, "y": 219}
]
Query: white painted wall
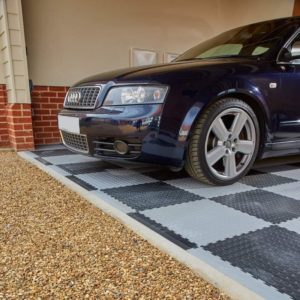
[
  {"x": 13, "y": 53},
  {"x": 68, "y": 40}
]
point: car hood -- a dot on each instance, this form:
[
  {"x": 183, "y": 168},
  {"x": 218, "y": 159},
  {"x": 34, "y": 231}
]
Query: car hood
[{"x": 152, "y": 73}]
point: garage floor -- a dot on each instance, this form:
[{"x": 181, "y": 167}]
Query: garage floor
[{"x": 249, "y": 231}]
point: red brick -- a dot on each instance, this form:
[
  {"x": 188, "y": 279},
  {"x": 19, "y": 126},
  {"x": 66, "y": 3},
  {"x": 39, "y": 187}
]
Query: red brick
[
  {"x": 50, "y": 118},
  {"x": 48, "y": 94},
  {"x": 56, "y": 100},
  {"x": 57, "y": 88},
  {"x": 26, "y": 113},
  {"x": 44, "y": 135},
  {"x": 22, "y": 133},
  {"x": 49, "y": 105},
  {"x": 27, "y": 126},
  {"x": 41, "y": 88},
  {"x": 42, "y": 123},
  {"x": 50, "y": 129},
  {"x": 42, "y": 112},
  {"x": 38, "y": 129},
  {"x": 61, "y": 95},
  {"x": 40, "y": 100}
]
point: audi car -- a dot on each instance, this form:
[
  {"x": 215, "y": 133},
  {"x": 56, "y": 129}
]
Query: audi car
[{"x": 214, "y": 110}]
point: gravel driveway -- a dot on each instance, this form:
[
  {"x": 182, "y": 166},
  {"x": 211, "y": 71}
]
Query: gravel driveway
[{"x": 54, "y": 244}]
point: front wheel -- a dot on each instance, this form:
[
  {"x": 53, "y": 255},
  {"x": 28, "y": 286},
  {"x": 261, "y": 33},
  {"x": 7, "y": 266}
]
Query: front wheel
[{"x": 224, "y": 143}]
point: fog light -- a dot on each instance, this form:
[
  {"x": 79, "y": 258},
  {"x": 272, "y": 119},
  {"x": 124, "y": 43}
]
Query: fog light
[{"x": 120, "y": 147}]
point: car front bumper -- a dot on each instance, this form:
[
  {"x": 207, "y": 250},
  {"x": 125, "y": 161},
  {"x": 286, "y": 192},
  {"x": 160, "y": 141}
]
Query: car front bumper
[{"x": 137, "y": 125}]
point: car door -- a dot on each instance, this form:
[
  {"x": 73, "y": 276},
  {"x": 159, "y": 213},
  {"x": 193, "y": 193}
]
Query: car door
[{"x": 288, "y": 111}]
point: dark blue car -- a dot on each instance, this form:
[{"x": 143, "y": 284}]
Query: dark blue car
[{"x": 214, "y": 110}]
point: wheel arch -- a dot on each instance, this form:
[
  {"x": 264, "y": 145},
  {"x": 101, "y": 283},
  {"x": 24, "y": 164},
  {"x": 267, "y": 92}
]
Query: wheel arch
[{"x": 259, "y": 107}]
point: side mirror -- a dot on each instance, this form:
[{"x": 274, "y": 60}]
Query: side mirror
[{"x": 295, "y": 50}]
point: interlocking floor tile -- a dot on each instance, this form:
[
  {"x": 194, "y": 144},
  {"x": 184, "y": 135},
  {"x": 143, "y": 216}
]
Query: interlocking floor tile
[
  {"x": 54, "y": 152},
  {"x": 264, "y": 180},
  {"x": 293, "y": 225},
  {"x": 88, "y": 167},
  {"x": 291, "y": 190},
  {"x": 70, "y": 159},
  {"x": 163, "y": 231},
  {"x": 204, "y": 221},
  {"x": 82, "y": 183},
  {"x": 115, "y": 178},
  {"x": 271, "y": 207},
  {"x": 271, "y": 254},
  {"x": 208, "y": 191},
  {"x": 151, "y": 195},
  {"x": 293, "y": 174},
  {"x": 43, "y": 161}
]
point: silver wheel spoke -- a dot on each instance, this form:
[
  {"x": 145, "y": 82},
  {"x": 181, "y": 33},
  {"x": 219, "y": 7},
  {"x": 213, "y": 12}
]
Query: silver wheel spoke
[
  {"x": 238, "y": 123},
  {"x": 215, "y": 155},
  {"x": 228, "y": 152},
  {"x": 220, "y": 130},
  {"x": 230, "y": 165},
  {"x": 245, "y": 147}
]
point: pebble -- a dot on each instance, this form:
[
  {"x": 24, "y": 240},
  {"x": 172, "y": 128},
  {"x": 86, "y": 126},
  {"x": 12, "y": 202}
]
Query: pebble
[{"x": 56, "y": 245}]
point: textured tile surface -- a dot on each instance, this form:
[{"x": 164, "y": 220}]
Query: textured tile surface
[
  {"x": 215, "y": 222},
  {"x": 230, "y": 228},
  {"x": 262, "y": 204},
  {"x": 271, "y": 254},
  {"x": 151, "y": 195}
]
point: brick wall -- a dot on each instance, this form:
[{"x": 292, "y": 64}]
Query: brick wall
[
  {"x": 4, "y": 141},
  {"x": 19, "y": 126},
  {"x": 46, "y": 103}
]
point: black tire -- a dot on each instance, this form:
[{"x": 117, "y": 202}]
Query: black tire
[{"x": 195, "y": 164}]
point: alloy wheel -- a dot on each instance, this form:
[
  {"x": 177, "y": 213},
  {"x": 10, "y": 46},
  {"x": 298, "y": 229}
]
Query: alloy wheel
[{"x": 230, "y": 143}]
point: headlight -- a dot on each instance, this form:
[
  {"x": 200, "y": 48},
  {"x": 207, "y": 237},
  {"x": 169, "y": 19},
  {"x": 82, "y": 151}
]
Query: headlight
[{"x": 136, "y": 95}]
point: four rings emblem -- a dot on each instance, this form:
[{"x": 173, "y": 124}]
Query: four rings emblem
[{"x": 74, "y": 97}]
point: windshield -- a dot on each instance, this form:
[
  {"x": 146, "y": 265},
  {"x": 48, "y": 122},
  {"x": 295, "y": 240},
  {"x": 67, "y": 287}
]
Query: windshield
[{"x": 249, "y": 41}]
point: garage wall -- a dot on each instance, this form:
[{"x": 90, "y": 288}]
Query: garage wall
[
  {"x": 68, "y": 40},
  {"x": 2, "y": 79}
]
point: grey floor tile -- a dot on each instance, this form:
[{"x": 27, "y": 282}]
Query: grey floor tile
[
  {"x": 115, "y": 178},
  {"x": 164, "y": 231},
  {"x": 208, "y": 191},
  {"x": 293, "y": 225},
  {"x": 204, "y": 221},
  {"x": 293, "y": 174},
  {"x": 69, "y": 159},
  {"x": 291, "y": 190}
]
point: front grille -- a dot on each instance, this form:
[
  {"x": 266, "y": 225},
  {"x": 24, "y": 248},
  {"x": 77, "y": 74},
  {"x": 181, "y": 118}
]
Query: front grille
[
  {"x": 82, "y": 97},
  {"x": 77, "y": 142}
]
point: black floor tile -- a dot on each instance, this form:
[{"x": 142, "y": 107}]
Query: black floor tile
[
  {"x": 271, "y": 254},
  {"x": 54, "y": 152},
  {"x": 265, "y": 180},
  {"x": 265, "y": 205},
  {"x": 151, "y": 195}
]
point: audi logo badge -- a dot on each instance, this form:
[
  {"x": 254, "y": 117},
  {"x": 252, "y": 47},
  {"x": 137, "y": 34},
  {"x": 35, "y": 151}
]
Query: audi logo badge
[{"x": 74, "y": 97}]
